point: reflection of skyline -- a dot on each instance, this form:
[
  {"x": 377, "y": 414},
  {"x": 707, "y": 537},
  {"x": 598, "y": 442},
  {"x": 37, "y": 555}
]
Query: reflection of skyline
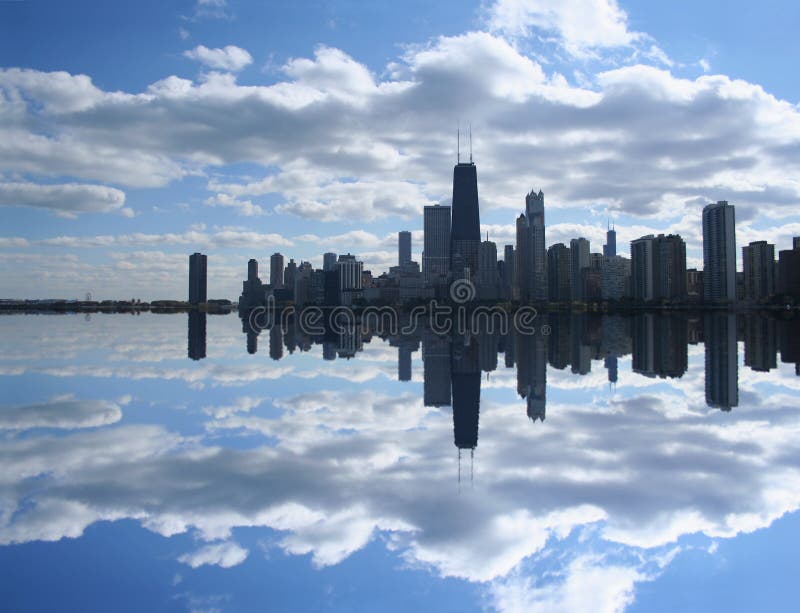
[{"x": 657, "y": 343}]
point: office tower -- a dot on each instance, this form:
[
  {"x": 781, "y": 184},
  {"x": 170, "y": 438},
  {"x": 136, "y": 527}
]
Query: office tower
[
  {"x": 523, "y": 279},
  {"x": 436, "y": 245},
  {"x": 789, "y": 273},
  {"x": 669, "y": 269},
  {"x": 276, "y": 270},
  {"x": 198, "y": 278},
  {"x": 615, "y": 272},
  {"x": 610, "y": 248},
  {"x": 487, "y": 271},
  {"x": 436, "y": 358},
  {"x": 253, "y": 291},
  {"x": 719, "y": 252},
  {"x": 658, "y": 268},
  {"x": 329, "y": 261},
  {"x": 509, "y": 271},
  {"x": 290, "y": 275},
  {"x": 534, "y": 211},
  {"x": 579, "y": 259},
  {"x": 796, "y": 243},
  {"x": 758, "y": 264},
  {"x": 558, "y": 273},
  {"x": 694, "y": 282},
  {"x": 592, "y": 278},
  {"x": 466, "y": 226},
  {"x": 642, "y": 268},
  {"x": 403, "y": 247},
  {"x": 349, "y": 270},
  {"x": 722, "y": 365},
  {"x": 196, "y": 335},
  {"x": 252, "y": 270}
]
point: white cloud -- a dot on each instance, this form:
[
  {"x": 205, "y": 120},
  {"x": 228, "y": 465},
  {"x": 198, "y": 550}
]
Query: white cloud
[
  {"x": 224, "y": 555},
  {"x": 230, "y": 57},
  {"x": 581, "y": 26},
  {"x": 63, "y": 413},
  {"x": 65, "y": 199}
]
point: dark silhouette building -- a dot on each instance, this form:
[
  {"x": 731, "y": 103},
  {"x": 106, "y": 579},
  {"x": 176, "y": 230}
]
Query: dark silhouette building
[
  {"x": 198, "y": 278},
  {"x": 466, "y": 225},
  {"x": 403, "y": 247}
]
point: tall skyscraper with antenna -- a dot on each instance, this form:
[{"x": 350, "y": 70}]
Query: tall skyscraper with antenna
[{"x": 466, "y": 226}]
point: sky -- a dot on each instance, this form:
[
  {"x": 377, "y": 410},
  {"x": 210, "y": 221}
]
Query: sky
[{"x": 134, "y": 134}]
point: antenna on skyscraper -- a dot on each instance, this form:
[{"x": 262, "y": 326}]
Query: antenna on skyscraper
[
  {"x": 470, "y": 142},
  {"x": 458, "y": 142}
]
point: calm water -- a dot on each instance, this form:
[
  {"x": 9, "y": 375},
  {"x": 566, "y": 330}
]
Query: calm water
[{"x": 177, "y": 463}]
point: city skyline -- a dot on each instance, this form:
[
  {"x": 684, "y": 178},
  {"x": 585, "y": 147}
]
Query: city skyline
[{"x": 75, "y": 223}]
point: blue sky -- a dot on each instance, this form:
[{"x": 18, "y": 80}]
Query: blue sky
[{"x": 137, "y": 133}]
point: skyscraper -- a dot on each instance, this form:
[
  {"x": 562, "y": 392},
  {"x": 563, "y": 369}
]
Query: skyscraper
[
  {"x": 487, "y": 271},
  {"x": 403, "y": 247},
  {"x": 534, "y": 211},
  {"x": 558, "y": 273},
  {"x": 436, "y": 245},
  {"x": 329, "y": 261},
  {"x": 658, "y": 267},
  {"x": 610, "y": 248},
  {"x": 508, "y": 271},
  {"x": 523, "y": 278},
  {"x": 466, "y": 225},
  {"x": 198, "y": 278},
  {"x": 719, "y": 252},
  {"x": 276, "y": 270},
  {"x": 758, "y": 263},
  {"x": 579, "y": 259}
]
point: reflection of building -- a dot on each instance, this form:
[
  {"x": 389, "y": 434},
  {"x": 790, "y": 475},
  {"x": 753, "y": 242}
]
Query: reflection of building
[
  {"x": 466, "y": 391},
  {"x": 660, "y": 344},
  {"x": 436, "y": 366},
  {"x": 760, "y": 343},
  {"x": 198, "y": 278},
  {"x": 722, "y": 367},
  {"x": 532, "y": 373},
  {"x": 197, "y": 335}
]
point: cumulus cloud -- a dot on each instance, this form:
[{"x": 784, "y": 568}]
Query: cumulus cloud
[
  {"x": 225, "y": 555},
  {"x": 230, "y": 57},
  {"x": 581, "y": 27},
  {"x": 66, "y": 199}
]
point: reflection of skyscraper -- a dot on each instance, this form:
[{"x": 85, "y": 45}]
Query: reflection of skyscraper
[
  {"x": 198, "y": 278},
  {"x": 404, "y": 362},
  {"x": 436, "y": 363},
  {"x": 580, "y": 353},
  {"x": 466, "y": 390},
  {"x": 532, "y": 373},
  {"x": 197, "y": 335},
  {"x": 719, "y": 252},
  {"x": 722, "y": 367},
  {"x": 275, "y": 343},
  {"x": 660, "y": 343},
  {"x": 466, "y": 228},
  {"x": 760, "y": 343}
]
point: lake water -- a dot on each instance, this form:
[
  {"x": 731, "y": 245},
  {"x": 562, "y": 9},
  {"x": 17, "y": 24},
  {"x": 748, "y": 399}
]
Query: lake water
[{"x": 174, "y": 462}]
